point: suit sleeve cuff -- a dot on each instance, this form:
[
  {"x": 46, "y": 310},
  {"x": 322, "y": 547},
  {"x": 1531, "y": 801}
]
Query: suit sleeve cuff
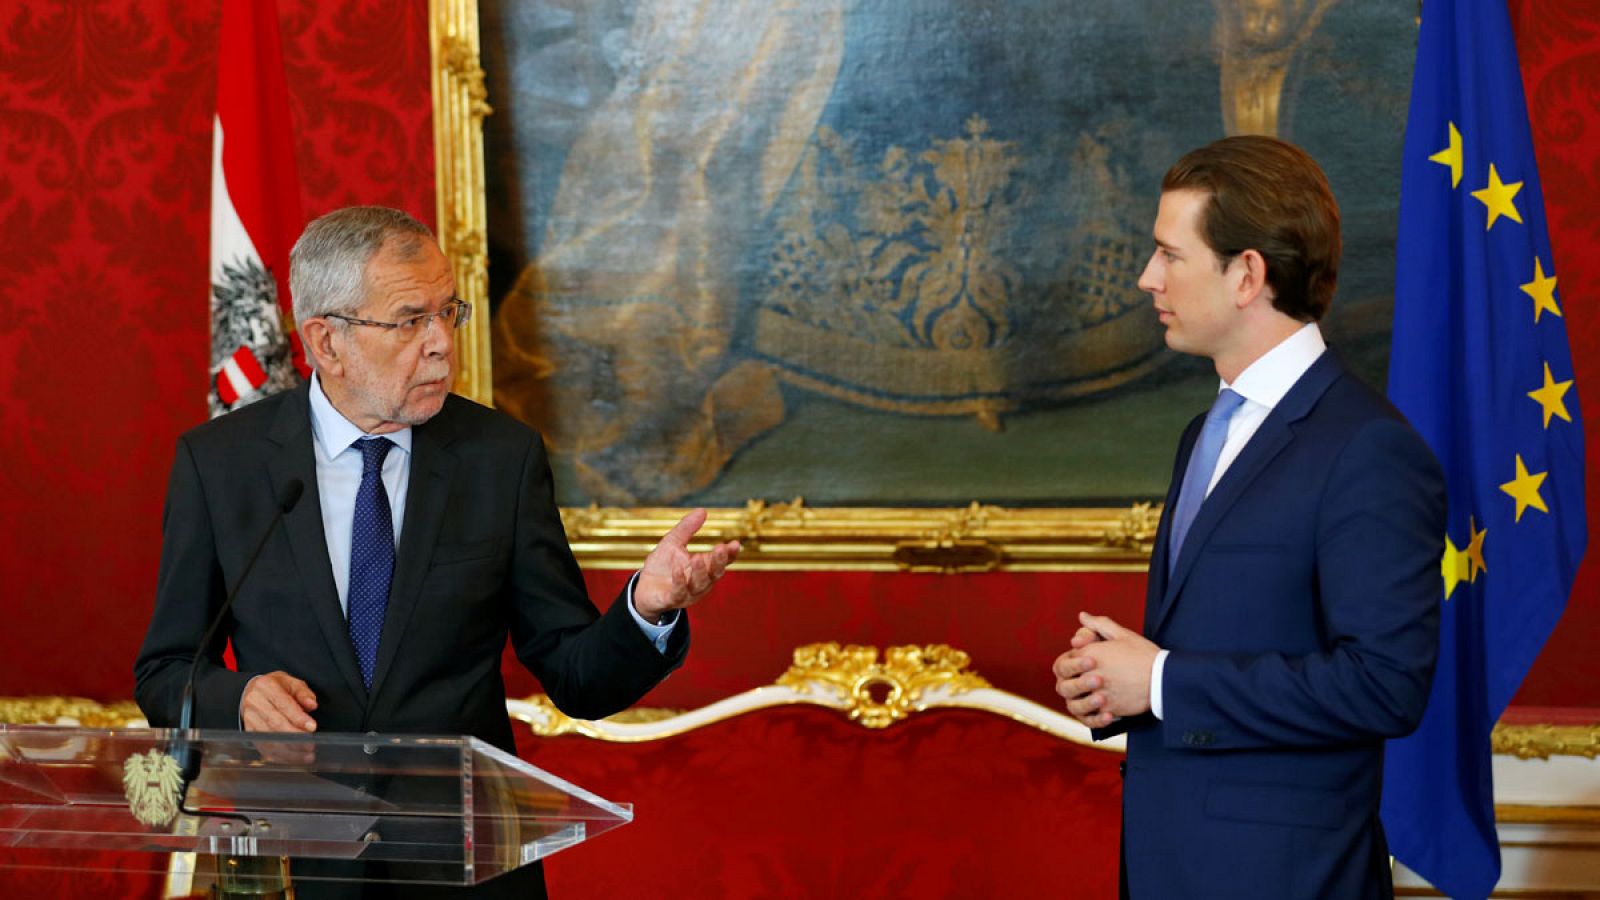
[
  {"x": 1156, "y": 670},
  {"x": 658, "y": 634},
  {"x": 241, "y": 699}
]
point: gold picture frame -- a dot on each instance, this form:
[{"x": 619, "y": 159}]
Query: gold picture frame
[{"x": 785, "y": 536}]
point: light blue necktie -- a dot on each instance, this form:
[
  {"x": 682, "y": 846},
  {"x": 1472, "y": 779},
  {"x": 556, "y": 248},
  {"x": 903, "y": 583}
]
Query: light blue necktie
[
  {"x": 1202, "y": 462},
  {"x": 371, "y": 556}
]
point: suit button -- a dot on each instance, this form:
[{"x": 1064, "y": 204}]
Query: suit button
[{"x": 1122, "y": 768}]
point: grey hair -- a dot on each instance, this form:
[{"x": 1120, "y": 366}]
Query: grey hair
[{"x": 328, "y": 265}]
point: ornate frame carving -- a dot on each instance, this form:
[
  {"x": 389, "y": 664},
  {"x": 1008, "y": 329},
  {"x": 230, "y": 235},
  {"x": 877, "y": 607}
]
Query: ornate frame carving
[
  {"x": 791, "y": 535},
  {"x": 1541, "y": 741},
  {"x": 459, "y": 105}
]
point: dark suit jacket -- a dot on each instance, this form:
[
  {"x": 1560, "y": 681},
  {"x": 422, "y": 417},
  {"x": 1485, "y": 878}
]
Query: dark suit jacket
[
  {"x": 482, "y": 559},
  {"x": 1302, "y": 620}
]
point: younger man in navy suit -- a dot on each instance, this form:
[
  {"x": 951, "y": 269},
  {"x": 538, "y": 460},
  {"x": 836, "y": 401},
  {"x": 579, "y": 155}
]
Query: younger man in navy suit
[{"x": 1291, "y": 620}]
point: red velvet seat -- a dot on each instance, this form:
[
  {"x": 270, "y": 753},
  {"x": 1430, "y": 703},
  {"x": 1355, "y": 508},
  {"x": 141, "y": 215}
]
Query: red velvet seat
[{"x": 801, "y": 802}]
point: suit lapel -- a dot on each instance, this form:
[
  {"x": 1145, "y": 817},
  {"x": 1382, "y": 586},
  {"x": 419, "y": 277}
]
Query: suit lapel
[
  {"x": 295, "y": 459},
  {"x": 432, "y": 467},
  {"x": 1275, "y": 434}
]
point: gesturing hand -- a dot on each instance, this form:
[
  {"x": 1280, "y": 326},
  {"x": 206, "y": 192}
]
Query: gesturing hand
[{"x": 674, "y": 578}]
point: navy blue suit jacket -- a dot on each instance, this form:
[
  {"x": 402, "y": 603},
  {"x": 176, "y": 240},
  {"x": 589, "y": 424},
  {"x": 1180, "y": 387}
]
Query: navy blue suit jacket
[{"x": 1302, "y": 618}]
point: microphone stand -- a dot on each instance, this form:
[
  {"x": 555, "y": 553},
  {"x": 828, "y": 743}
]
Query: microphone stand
[{"x": 186, "y": 750}]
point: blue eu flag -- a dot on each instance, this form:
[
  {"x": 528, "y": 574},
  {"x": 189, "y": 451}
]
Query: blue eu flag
[{"x": 1481, "y": 366}]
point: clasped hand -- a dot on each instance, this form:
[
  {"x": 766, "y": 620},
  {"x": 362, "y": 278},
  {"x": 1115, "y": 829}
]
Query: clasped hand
[{"x": 1106, "y": 674}]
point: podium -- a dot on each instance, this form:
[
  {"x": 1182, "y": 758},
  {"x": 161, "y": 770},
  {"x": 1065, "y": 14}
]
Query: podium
[{"x": 281, "y": 809}]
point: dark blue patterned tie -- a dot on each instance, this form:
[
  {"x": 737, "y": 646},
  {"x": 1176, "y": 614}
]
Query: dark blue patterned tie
[
  {"x": 1202, "y": 463},
  {"x": 371, "y": 556}
]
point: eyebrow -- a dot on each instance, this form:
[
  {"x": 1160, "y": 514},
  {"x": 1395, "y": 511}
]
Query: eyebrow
[{"x": 412, "y": 309}]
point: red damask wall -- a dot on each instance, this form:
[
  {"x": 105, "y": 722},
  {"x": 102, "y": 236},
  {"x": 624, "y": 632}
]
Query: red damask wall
[
  {"x": 798, "y": 802},
  {"x": 1558, "y": 42},
  {"x": 104, "y": 153},
  {"x": 105, "y": 143}
]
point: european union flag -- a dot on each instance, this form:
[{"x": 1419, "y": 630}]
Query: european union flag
[{"x": 1481, "y": 366}]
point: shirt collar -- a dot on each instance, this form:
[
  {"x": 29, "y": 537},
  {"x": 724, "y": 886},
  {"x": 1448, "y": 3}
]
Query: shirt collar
[
  {"x": 1266, "y": 380},
  {"x": 336, "y": 433}
]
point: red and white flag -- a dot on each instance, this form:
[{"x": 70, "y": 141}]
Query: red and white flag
[
  {"x": 240, "y": 375},
  {"x": 255, "y": 214}
]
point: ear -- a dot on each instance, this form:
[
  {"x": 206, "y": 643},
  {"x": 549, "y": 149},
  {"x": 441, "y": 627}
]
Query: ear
[
  {"x": 322, "y": 342},
  {"x": 1250, "y": 272}
]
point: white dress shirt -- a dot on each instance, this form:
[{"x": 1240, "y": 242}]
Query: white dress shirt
[{"x": 1262, "y": 385}]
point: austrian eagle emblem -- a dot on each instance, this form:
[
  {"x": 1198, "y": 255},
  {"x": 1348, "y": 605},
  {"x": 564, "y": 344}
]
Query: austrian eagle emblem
[{"x": 152, "y": 783}]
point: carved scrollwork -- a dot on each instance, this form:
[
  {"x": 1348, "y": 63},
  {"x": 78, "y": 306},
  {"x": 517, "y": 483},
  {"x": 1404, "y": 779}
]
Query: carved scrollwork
[
  {"x": 1544, "y": 741},
  {"x": 75, "y": 711},
  {"x": 880, "y": 694},
  {"x": 460, "y": 59},
  {"x": 791, "y": 535},
  {"x": 460, "y": 103},
  {"x": 1136, "y": 528}
]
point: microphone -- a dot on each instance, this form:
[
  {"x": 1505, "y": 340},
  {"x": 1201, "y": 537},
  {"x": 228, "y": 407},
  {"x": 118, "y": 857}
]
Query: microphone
[{"x": 186, "y": 754}]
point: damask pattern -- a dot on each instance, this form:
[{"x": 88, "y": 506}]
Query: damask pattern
[
  {"x": 805, "y": 804},
  {"x": 105, "y": 161},
  {"x": 1558, "y": 42},
  {"x": 362, "y": 103}
]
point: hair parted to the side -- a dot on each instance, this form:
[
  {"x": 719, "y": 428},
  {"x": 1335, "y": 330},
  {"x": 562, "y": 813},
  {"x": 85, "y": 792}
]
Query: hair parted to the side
[
  {"x": 1269, "y": 196},
  {"x": 328, "y": 265}
]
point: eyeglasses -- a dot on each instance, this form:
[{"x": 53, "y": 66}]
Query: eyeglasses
[{"x": 453, "y": 315}]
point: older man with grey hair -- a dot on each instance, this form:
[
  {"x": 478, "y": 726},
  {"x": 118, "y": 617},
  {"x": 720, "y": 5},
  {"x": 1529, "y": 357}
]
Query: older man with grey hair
[{"x": 427, "y": 538}]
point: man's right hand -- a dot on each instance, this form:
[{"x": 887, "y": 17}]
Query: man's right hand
[{"x": 277, "y": 701}]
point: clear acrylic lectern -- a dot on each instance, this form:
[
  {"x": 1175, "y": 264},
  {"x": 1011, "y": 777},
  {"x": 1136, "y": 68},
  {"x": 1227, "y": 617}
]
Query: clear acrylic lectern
[{"x": 423, "y": 810}]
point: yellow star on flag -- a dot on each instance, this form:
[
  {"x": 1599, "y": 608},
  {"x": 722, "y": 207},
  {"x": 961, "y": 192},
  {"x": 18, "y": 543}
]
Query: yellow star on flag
[
  {"x": 1451, "y": 156},
  {"x": 1543, "y": 291},
  {"x": 1498, "y": 198},
  {"x": 1525, "y": 489},
  {"x": 1453, "y": 566},
  {"x": 1550, "y": 397},
  {"x": 1474, "y": 551}
]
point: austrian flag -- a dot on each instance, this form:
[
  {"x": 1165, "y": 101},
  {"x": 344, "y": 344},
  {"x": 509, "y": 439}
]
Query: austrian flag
[
  {"x": 255, "y": 214},
  {"x": 240, "y": 375}
]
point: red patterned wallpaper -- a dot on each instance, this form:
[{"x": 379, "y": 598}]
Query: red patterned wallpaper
[
  {"x": 104, "y": 153},
  {"x": 1558, "y": 43},
  {"x": 105, "y": 137},
  {"x": 800, "y": 802}
]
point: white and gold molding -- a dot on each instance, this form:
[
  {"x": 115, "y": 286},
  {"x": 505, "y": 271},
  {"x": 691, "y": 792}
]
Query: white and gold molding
[{"x": 847, "y": 678}]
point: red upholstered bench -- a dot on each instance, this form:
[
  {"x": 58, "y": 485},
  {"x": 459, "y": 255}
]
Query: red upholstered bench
[{"x": 850, "y": 776}]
